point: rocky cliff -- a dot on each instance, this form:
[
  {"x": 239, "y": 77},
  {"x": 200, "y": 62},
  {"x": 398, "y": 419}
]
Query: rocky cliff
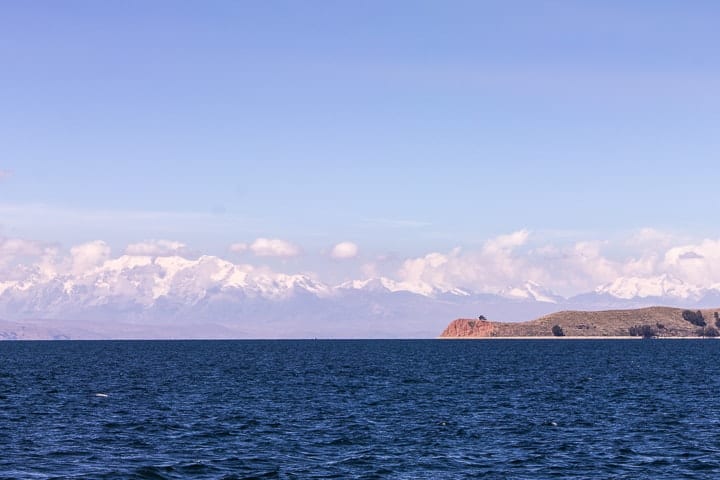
[{"x": 469, "y": 328}]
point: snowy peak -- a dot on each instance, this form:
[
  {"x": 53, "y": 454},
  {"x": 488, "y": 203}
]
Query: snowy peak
[
  {"x": 379, "y": 284},
  {"x": 386, "y": 285},
  {"x": 531, "y": 291},
  {"x": 282, "y": 286},
  {"x": 209, "y": 287},
  {"x": 659, "y": 286},
  {"x": 142, "y": 280}
]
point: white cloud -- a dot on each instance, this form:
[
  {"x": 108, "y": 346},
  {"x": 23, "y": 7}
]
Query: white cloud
[
  {"x": 495, "y": 266},
  {"x": 424, "y": 274},
  {"x": 18, "y": 247},
  {"x": 344, "y": 250},
  {"x": 267, "y": 247},
  {"x": 507, "y": 242},
  {"x": 568, "y": 269},
  {"x": 504, "y": 261},
  {"x": 89, "y": 255},
  {"x": 156, "y": 248},
  {"x": 697, "y": 263},
  {"x": 20, "y": 258},
  {"x": 273, "y": 247}
]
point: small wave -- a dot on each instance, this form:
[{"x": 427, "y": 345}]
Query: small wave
[{"x": 153, "y": 473}]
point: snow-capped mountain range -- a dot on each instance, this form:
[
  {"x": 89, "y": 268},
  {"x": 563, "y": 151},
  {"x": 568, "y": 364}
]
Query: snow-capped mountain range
[
  {"x": 143, "y": 296},
  {"x": 662, "y": 286}
]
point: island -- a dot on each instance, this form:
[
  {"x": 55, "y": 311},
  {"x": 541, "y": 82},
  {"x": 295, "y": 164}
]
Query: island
[{"x": 650, "y": 322}]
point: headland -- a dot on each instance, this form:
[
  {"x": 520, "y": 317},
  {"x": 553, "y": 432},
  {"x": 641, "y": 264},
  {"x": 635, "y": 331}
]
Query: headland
[{"x": 650, "y": 322}]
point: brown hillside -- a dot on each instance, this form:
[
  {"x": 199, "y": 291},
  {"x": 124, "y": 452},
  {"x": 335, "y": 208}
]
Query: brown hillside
[{"x": 664, "y": 322}]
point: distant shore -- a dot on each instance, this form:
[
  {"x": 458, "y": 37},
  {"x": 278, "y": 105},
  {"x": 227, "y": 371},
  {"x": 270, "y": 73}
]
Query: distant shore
[
  {"x": 548, "y": 337},
  {"x": 585, "y": 337},
  {"x": 628, "y": 324}
]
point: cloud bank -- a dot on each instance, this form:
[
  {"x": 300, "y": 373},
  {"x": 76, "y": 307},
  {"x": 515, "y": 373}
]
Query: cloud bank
[
  {"x": 500, "y": 263},
  {"x": 158, "y": 282}
]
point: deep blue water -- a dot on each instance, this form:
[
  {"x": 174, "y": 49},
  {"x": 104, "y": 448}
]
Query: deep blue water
[{"x": 360, "y": 409}]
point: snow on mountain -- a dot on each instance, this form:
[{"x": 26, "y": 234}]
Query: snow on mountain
[
  {"x": 662, "y": 286},
  {"x": 383, "y": 284},
  {"x": 7, "y": 284},
  {"x": 142, "y": 280},
  {"x": 531, "y": 291},
  {"x": 179, "y": 296},
  {"x": 460, "y": 292},
  {"x": 281, "y": 286},
  {"x": 379, "y": 284}
]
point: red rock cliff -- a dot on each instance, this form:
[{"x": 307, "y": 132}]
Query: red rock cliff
[{"x": 463, "y": 327}]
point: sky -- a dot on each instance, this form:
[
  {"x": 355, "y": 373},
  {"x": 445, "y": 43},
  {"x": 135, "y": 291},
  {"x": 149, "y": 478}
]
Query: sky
[{"x": 351, "y": 139}]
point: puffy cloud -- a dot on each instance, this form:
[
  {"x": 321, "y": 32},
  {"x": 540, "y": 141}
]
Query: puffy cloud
[
  {"x": 504, "y": 261},
  {"x": 156, "y": 248},
  {"x": 18, "y": 247},
  {"x": 20, "y": 258},
  {"x": 495, "y": 266},
  {"x": 697, "y": 263},
  {"x": 506, "y": 242},
  {"x": 267, "y": 247},
  {"x": 273, "y": 247},
  {"x": 424, "y": 274},
  {"x": 89, "y": 255},
  {"x": 344, "y": 250},
  {"x": 567, "y": 269},
  {"x": 238, "y": 247}
]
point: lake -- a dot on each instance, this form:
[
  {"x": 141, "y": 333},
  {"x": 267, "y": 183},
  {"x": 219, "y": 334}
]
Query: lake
[{"x": 416, "y": 409}]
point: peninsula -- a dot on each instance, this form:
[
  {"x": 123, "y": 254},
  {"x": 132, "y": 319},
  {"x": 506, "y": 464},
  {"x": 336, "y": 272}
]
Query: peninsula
[{"x": 648, "y": 322}]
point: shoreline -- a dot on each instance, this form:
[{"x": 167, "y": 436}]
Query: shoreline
[{"x": 584, "y": 337}]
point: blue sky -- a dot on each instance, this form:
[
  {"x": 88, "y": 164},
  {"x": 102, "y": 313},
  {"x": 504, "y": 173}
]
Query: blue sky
[{"x": 405, "y": 127}]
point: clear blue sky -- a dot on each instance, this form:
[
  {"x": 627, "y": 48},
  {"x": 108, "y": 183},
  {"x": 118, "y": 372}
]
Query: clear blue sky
[{"x": 401, "y": 126}]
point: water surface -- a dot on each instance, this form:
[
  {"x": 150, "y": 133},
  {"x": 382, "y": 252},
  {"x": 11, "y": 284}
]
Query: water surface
[{"x": 360, "y": 409}]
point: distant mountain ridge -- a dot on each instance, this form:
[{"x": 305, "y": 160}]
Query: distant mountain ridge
[
  {"x": 662, "y": 286},
  {"x": 164, "y": 297}
]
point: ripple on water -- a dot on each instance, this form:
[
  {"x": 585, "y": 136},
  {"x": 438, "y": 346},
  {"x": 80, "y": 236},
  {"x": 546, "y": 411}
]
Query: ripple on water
[{"x": 359, "y": 409}]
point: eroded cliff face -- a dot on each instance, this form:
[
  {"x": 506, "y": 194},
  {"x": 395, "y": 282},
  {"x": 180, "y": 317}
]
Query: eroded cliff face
[{"x": 463, "y": 327}]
